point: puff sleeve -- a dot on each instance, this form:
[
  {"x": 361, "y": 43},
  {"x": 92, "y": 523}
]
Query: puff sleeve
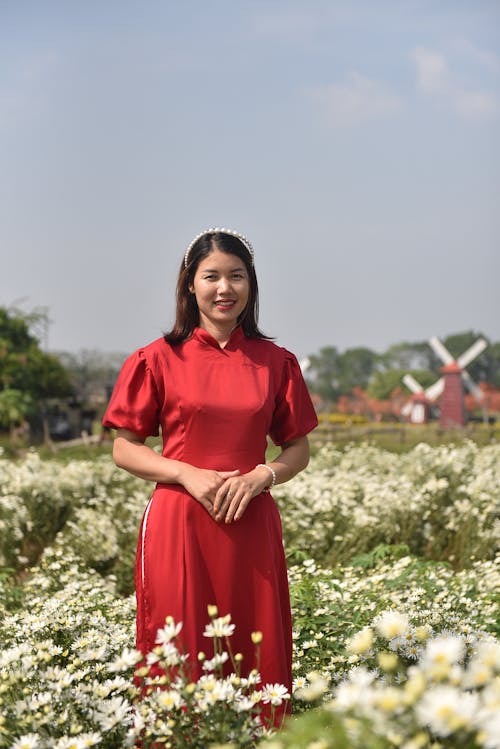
[
  {"x": 134, "y": 402},
  {"x": 294, "y": 415}
]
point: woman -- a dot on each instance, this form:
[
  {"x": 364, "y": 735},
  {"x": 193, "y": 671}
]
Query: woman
[{"x": 211, "y": 533}]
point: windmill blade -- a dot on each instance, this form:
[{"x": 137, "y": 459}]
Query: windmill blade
[
  {"x": 441, "y": 351},
  {"x": 304, "y": 364},
  {"x": 406, "y": 410},
  {"x": 412, "y": 384},
  {"x": 471, "y": 386},
  {"x": 434, "y": 391},
  {"x": 471, "y": 353}
]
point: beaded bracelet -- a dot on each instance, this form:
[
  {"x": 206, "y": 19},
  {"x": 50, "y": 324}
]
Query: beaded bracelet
[{"x": 273, "y": 473}]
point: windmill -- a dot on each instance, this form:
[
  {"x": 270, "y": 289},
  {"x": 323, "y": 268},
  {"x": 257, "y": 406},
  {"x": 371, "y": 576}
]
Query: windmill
[
  {"x": 454, "y": 378},
  {"x": 450, "y": 385},
  {"x": 417, "y": 409}
]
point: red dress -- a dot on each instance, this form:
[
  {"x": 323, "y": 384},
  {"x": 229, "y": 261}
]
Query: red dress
[{"x": 215, "y": 407}]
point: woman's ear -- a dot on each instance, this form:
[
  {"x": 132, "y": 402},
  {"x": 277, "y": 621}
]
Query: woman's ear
[{"x": 191, "y": 288}]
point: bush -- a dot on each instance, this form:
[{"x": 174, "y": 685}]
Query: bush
[{"x": 442, "y": 502}]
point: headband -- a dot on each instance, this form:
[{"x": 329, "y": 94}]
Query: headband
[{"x": 231, "y": 233}]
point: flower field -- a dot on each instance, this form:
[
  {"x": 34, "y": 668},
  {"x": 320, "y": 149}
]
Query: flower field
[{"x": 394, "y": 565}]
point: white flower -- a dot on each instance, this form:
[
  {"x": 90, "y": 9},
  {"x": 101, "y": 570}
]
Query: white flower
[
  {"x": 490, "y": 731},
  {"x": 127, "y": 659},
  {"x": 312, "y": 690},
  {"x": 170, "y": 654},
  {"x": 216, "y": 661},
  {"x": 111, "y": 713},
  {"x": 356, "y": 691},
  {"x": 299, "y": 683},
  {"x": 446, "y": 710},
  {"x": 169, "y": 700},
  {"x": 309, "y": 644},
  {"x": 244, "y": 704},
  {"x": 389, "y": 699},
  {"x": 168, "y": 632},
  {"x": 391, "y": 624},
  {"x": 488, "y": 652},
  {"x": 89, "y": 739},
  {"x": 441, "y": 653},
  {"x": 28, "y": 741},
  {"x": 220, "y": 627},
  {"x": 360, "y": 642},
  {"x": 275, "y": 694}
]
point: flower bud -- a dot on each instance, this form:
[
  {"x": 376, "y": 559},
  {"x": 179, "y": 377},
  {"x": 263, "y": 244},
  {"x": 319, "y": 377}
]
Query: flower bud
[{"x": 387, "y": 661}]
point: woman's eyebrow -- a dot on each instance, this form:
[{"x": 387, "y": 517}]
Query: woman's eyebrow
[{"x": 216, "y": 270}]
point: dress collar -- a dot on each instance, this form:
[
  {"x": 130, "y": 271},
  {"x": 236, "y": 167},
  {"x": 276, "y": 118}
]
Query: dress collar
[{"x": 235, "y": 339}]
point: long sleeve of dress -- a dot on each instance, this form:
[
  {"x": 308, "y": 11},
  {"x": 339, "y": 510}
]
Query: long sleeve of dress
[
  {"x": 294, "y": 415},
  {"x": 134, "y": 402}
]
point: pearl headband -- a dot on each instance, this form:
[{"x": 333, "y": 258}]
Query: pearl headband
[{"x": 231, "y": 233}]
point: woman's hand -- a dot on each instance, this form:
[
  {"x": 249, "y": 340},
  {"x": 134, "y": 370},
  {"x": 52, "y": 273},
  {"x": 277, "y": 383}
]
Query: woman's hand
[
  {"x": 235, "y": 494},
  {"x": 204, "y": 484}
]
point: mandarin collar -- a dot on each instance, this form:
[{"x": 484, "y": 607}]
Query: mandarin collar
[{"x": 236, "y": 337}]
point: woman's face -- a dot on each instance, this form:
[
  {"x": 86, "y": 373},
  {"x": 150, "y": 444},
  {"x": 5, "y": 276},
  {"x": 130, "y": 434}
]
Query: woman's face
[{"x": 221, "y": 287}]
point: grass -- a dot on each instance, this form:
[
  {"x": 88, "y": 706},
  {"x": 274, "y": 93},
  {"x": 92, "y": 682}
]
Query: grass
[{"x": 397, "y": 438}]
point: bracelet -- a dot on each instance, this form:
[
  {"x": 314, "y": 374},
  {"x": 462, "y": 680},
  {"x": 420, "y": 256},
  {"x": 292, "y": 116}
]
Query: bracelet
[{"x": 273, "y": 473}]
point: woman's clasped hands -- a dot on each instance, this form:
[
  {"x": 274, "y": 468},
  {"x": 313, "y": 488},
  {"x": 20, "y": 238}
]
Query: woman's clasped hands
[{"x": 225, "y": 495}]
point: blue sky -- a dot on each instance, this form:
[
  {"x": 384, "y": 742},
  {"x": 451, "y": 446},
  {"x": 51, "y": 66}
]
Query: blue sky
[{"x": 356, "y": 144}]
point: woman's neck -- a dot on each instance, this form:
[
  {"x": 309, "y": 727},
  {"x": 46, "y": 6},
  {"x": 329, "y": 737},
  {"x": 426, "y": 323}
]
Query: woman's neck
[{"x": 221, "y": 334}]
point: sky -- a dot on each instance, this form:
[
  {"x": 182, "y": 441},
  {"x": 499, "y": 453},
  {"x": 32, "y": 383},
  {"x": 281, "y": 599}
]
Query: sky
[{"x": 356, "y": 143}]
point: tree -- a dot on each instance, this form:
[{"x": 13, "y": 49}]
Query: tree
[
  {"x": 493, "y": 374},
  {"x": 322, "y": 372},
  {"x": 409, "y": 356},
  {"x": 355, "y": 368},
  {"x": 383, "y": 383},
  {"x": 28, "y": 376},
  {"x": 91, "y": 371}
]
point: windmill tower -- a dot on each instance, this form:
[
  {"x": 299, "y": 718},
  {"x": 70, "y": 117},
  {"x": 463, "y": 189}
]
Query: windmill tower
[{"x": 454, "y": 378}]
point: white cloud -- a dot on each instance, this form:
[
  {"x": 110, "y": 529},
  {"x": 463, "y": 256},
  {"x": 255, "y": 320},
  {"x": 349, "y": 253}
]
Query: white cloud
[
  {"x": 435, "y": 78},
  {"x": 485, "y": 57},
  {"x": 358, "y": 99},
  {"x": 432, "y": 70},
  {"x": 475, "y": 103}
]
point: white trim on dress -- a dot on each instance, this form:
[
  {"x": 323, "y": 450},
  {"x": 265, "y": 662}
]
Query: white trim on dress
[{"x": 144, "y": 526}]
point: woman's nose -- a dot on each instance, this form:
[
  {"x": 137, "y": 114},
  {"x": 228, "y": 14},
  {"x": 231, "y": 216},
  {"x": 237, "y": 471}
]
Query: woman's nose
[{"x": 224, "y": 284}]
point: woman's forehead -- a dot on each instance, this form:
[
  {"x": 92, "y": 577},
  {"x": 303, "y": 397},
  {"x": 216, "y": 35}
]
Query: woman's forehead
[{"x": 217, "y": 259}]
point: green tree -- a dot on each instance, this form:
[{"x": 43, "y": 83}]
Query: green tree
[
  {"x": 384, "y": 382},
  {"x": 355, "y": 368},
  {"x": 409, "y": 356},
  {"x": 493, "y": 373},
  {"x": 28, "y": 376},
  {"x": 323, "y": 372},
  {"x": 332, "y": 374}
]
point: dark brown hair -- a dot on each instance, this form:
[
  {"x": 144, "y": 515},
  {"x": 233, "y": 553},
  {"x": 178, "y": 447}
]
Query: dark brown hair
[{"x": 187, "y": 316}]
